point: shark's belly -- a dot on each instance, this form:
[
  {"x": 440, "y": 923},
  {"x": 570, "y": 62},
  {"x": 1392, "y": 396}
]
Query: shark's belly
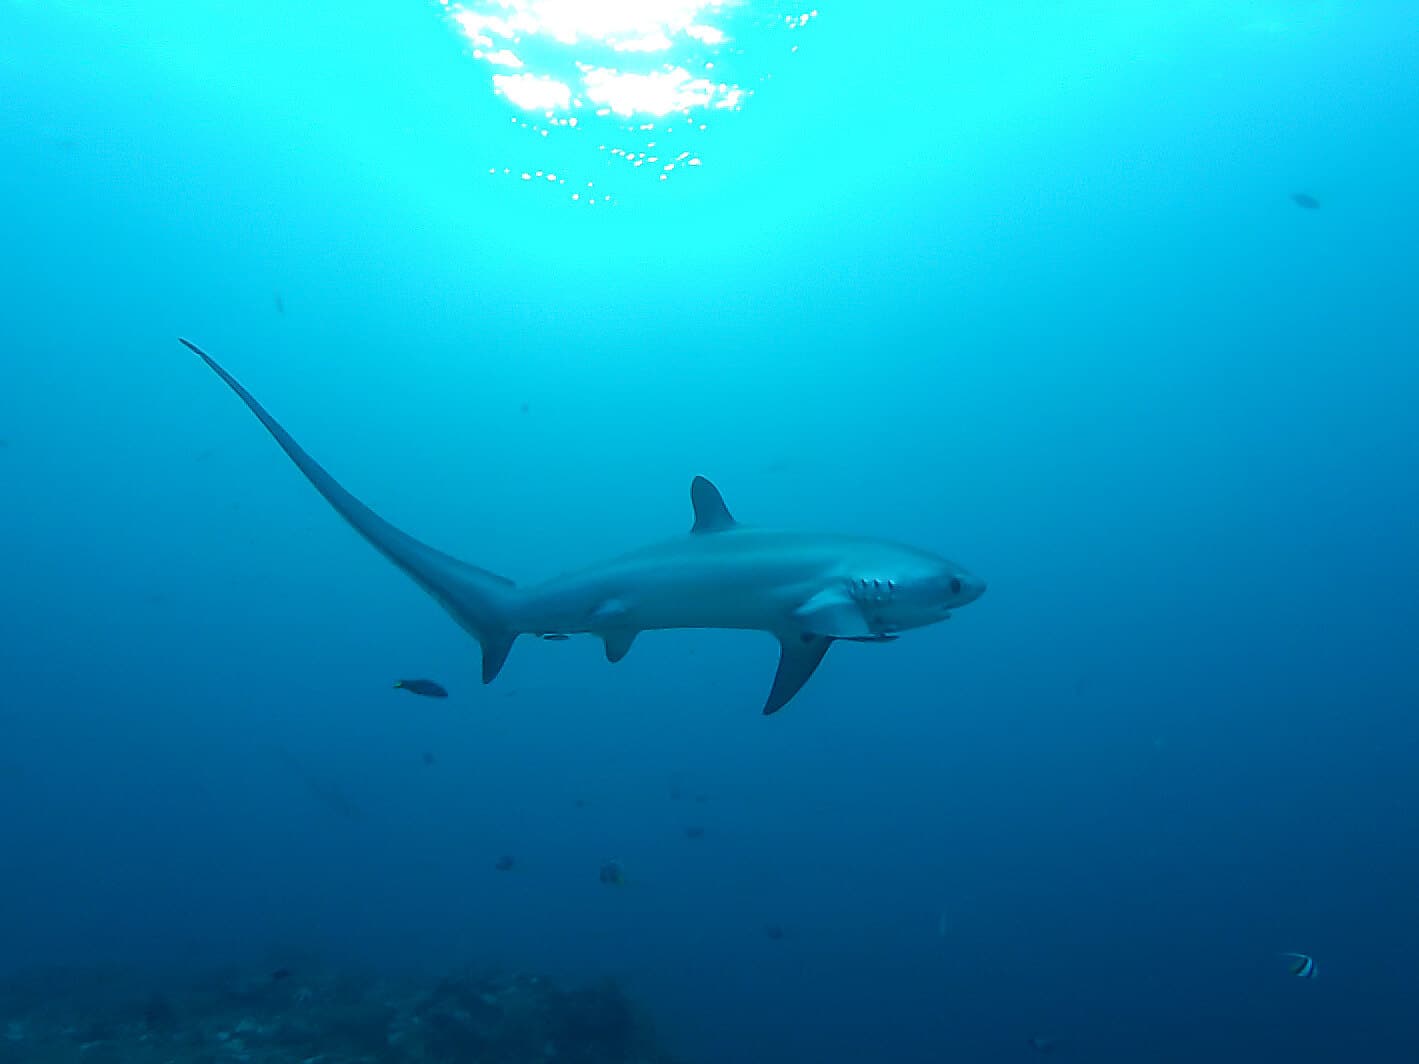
[
  {"x": 658, "y": 598},
  {"x": 707, "y": 606}
]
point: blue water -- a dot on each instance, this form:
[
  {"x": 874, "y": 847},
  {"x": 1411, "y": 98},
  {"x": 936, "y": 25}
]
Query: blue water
[{"x": 1022, "y": 286}]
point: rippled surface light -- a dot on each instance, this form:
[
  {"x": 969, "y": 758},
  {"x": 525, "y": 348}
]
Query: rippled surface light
[{"x": 642, "y": 78}]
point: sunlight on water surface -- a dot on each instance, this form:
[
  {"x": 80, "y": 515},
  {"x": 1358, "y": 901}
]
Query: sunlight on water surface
[{"x": 636, "y": 82}]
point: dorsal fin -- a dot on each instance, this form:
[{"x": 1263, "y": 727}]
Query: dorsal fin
[{"x": 711, "y": 515}]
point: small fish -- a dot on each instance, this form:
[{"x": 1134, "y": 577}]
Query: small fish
[
  {"x": 1301, "y": 965},
  {"x": 429, "y": 758},
  {"x": 1043, "y": 1044},
  {"x": 612, "y": 874},
  {"x": 555, "y": 637},
  {"x": 694, "y": 831},
  {"x": 279, "y": 974},
  {"x": 323, "y": 790},
  {"x": 421, "y": 687},
  {"x": 280, "y": 303},
  {"x": 526, "y": 408},
  {"x": 774, "y": 931},
  {"x": 1301, "y": 199},
  {"x": 504, "y": 863}
]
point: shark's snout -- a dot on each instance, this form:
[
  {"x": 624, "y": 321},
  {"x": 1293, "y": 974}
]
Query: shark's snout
[
  {"x": 962, "y": 589},
  {"x": 972, "y": 587}
]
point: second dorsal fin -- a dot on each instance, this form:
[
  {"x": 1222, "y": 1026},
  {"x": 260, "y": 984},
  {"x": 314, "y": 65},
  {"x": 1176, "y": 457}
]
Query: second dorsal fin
[{"x": 711, "y": 515}]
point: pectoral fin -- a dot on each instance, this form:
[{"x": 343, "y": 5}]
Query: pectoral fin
[
  {"x": 610, "y": 611},
  {"x": 799, "y": 656},
  {"x": 833, "y": 612},
  {"x": 618, "y": 642}
]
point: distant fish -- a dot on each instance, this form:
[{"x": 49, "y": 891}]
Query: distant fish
[
  {"x": 612, "y": 874},
  {"x": 279, "y": 974},
  {"x": 504, "y": 863},
  {"x": 427, "y": 688},
  {"x": 1043, "y": 1043},
  {"x": 280, "y": 303},
  {"x": 1301, "y": 965},
  {"x": 1301, "y": 199},
  {"x": 555, "y": 637},
  {"x": 326, "y": 792},
  {"x": 429, "y": 759},
  {"x": 774, "y": 931},
  {"x": 694, "y": 831}
]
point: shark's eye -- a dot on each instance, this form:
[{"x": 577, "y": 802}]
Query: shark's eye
[{"x": 955, "y": 585}]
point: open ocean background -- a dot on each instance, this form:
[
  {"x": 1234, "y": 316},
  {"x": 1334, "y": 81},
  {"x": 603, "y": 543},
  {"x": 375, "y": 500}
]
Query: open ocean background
[{"x": 1022, "y": 283}]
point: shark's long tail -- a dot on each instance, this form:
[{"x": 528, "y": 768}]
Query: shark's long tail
[{"x": 482, "y": 602}]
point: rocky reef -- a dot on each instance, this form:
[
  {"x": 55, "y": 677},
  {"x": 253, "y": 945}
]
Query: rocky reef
[{"x": 316, "y": 1017}]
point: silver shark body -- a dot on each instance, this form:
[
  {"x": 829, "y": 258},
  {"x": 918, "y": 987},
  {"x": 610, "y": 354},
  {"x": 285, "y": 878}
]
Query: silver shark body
[{"x": 806, "y": 590}]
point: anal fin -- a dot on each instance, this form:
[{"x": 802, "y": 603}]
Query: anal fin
[
  {"x": 496, "y": 647},
  {"x": 799, "y": 656}
]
